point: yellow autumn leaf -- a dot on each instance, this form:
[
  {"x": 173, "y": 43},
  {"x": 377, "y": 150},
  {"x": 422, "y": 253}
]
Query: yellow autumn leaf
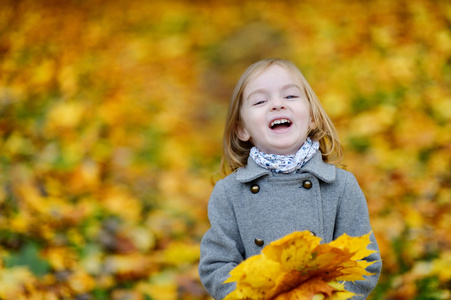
[
  {"x": 81, "y": 282},
  {"x": 65, "y": 115},
  {"x": 158, "y": 290},
  {"x": 60, "y": 258},
  {"x": 441, "y": 266},
  {"x": 354, "y": 245},
  {"x": 293, "y": 250},
  {"x": 297, "y": 266},
  {"x": 14, "y": 280},
  {"x": 179, "y": 253},
  {"x": 333, "y": 290},
  {"x": 256, "y": 265}
]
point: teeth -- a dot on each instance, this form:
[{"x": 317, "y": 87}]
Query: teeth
[{"x": 280, "y": 121}]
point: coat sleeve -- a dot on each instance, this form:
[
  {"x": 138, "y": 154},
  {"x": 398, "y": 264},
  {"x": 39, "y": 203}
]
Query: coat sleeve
[
  {"x": 221, "y": 248},
  {"x": 353, "y": 219}
]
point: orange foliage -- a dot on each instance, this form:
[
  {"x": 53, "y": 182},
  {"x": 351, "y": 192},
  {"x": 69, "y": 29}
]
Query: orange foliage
[
  {"x": 111, "y": 115},
  {"x": 298, "y": 267}
]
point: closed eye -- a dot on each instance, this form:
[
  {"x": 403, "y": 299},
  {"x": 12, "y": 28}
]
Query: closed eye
[{"x": 259, "y": 102}]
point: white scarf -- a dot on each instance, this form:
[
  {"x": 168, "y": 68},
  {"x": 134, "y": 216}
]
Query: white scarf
[{"x": 285, "y": 163}]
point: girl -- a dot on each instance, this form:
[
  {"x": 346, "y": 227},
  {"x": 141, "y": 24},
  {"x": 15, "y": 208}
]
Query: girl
[{"x": 280, "y": 152}]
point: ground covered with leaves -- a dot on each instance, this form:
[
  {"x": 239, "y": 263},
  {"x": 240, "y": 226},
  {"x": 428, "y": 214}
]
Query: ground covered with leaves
[{"x": 111, "y": 116}]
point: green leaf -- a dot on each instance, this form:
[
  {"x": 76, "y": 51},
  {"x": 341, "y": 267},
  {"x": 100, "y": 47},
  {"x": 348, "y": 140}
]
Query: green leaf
[{"x": 28, "y": 256}]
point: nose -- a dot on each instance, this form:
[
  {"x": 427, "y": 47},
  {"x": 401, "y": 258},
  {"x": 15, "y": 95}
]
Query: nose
[{"x": 277, "y": 104}]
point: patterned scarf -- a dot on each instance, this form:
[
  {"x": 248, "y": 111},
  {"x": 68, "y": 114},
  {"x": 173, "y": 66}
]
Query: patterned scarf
[{"x": 285, "y": 163}]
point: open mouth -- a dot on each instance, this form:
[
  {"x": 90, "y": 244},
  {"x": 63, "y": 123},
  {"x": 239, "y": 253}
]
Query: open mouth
[{"x": 280, "y": 123}]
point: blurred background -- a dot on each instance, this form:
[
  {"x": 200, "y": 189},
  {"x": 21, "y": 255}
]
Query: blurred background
[{"x": 111, "y": 117}]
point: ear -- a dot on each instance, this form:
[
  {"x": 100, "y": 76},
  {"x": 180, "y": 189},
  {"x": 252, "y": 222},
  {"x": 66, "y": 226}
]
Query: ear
[
  {"x": 312, "y": 124},
  {"x": 242, "y": 133}
]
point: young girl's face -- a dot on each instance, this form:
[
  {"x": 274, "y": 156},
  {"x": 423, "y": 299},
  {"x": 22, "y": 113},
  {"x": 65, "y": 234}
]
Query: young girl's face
[{"x": 275, "y": 112}]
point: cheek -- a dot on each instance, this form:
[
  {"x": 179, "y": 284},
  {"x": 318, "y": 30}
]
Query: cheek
[{"x": 306, "y": 115}]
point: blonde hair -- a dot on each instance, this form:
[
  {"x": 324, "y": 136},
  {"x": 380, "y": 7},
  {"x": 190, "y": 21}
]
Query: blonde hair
[{"x": 236, "y": 151}]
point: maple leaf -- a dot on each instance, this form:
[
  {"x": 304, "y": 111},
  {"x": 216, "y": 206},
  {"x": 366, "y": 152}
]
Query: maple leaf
[{"x": 297, "y": 266}]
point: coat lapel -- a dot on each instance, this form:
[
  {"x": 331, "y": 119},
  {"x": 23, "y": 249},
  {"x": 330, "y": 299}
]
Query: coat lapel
[{"x": 319, "y": 169}]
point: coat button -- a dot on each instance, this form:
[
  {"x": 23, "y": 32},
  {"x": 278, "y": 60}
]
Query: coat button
[
  {"x": 255, "y": 188},
  {"x": 259, "y": 242},
  {"x": 307, "y": 184}
]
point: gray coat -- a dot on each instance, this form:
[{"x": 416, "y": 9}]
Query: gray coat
[{"x": 253, "y": 206}]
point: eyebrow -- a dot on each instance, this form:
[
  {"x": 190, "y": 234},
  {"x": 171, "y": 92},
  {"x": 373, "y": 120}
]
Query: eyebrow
[{"x": 263, "y": 90}]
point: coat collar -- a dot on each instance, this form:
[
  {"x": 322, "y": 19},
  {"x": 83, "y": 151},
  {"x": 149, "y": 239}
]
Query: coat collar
[{"x": 314, "y": 166}]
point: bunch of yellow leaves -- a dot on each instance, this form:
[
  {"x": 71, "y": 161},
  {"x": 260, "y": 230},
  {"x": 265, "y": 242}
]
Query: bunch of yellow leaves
[{"x": 298, "y": 267}]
